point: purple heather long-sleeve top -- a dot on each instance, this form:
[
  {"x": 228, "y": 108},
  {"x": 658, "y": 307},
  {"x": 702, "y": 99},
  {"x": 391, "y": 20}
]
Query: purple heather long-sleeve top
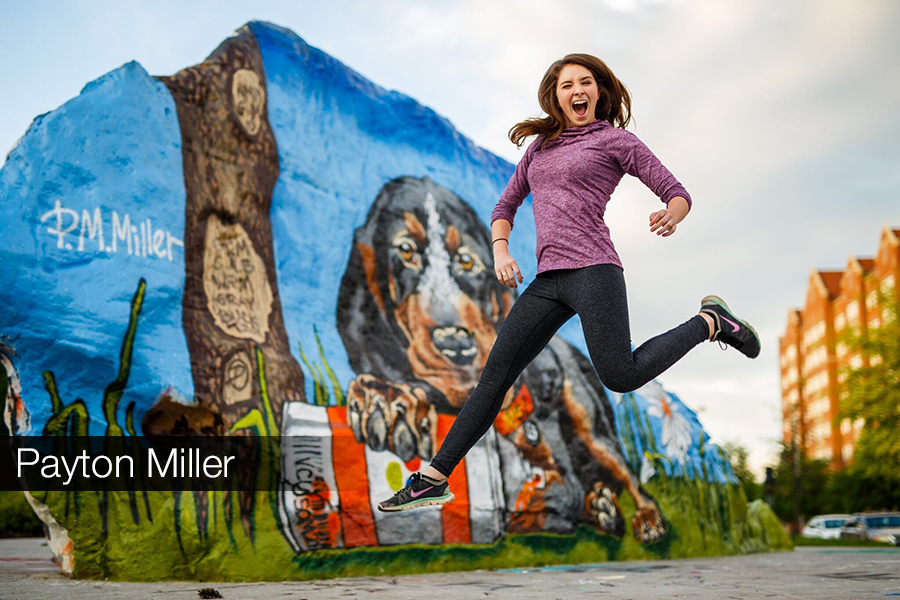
[{"x": 570, "y": 181}]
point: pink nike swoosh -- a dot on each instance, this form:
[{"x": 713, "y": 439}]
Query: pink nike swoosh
[
  {"x": 733, "y": 324},
  {"x": 415, "y": 495}
]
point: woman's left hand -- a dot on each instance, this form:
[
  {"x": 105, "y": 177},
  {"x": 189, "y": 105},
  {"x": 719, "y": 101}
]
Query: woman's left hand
[{"x": 663, "y": 223}]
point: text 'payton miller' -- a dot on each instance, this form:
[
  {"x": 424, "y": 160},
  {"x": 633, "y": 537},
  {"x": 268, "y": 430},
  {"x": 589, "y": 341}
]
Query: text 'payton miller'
[{"x": 183, "y": 463}]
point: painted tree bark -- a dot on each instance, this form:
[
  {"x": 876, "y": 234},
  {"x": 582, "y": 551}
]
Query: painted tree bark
[{"x": 231, "y": 304}]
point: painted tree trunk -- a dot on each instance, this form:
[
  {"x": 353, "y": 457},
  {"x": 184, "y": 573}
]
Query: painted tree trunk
[{"x": 231, "y": 302}]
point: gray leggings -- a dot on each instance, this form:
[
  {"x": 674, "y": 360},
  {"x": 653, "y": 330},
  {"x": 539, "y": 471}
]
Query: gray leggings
[{"x": 597, "y": 295}]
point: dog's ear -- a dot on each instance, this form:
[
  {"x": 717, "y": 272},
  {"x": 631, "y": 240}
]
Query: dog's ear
[
  {"x": 364, "y": 317},
  {"x": 369, "y": 265}
]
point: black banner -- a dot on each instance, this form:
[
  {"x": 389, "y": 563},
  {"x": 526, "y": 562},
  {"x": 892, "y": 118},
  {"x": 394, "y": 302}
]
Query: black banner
[{"x": 126, "y": 463}]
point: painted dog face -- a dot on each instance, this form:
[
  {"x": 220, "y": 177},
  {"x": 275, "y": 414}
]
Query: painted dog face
[{"x": 426, "y": 263}]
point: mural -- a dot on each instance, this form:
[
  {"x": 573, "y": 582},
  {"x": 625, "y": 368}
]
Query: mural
[{"x": 268, "y": 245}]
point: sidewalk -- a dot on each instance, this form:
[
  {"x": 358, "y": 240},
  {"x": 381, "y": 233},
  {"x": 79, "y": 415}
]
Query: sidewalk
[{"x": 27, "y": 571}]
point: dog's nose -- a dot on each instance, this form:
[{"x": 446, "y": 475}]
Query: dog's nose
[{"x": 456, "y": 344}]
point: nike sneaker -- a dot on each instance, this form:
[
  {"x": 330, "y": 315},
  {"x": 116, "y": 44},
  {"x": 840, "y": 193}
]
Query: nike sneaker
[
  {"x": 729, "y": 329},
  {"x": 419, "y": 491}
]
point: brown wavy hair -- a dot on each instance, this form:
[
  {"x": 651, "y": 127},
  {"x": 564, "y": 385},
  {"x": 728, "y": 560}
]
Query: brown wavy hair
[{"x": 613, "y": 104}]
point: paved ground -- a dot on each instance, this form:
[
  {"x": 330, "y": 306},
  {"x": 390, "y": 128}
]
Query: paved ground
[{"x": 26, "y": 571}]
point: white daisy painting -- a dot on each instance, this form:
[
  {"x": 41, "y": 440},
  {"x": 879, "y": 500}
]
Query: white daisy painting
[{"x": 677, "y": 433}]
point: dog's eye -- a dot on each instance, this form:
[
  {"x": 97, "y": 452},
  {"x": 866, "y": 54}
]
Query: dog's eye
[
  {"x": 407, "y": 251},
  {"x": 467, "y": 263}
]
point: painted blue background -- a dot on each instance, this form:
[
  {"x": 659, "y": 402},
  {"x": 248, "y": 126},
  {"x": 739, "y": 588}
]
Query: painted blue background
[{"x": 116, "y": 146}]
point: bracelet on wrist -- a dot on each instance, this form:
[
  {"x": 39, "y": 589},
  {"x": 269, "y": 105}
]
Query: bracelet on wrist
[{"x": 500, "y": 240}]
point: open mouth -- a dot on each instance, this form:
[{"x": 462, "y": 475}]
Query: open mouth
[{"x": 580, "y": 107}]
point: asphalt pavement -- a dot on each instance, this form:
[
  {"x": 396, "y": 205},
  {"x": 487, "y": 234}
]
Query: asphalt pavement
[{"x": 28, "y": 571}]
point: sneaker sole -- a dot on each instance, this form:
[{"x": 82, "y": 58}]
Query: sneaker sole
[
  {"x": 420, "y": 503},
  {"x": 720, "y": 302}
]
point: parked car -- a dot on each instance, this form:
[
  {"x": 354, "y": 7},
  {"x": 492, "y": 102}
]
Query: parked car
[
  {"x": 825, "y": 527},
  {"x": 880, "y": 527}
]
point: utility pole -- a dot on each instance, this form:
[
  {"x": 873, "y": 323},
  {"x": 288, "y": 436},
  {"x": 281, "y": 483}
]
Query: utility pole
[{"x": 795, "y": 455}]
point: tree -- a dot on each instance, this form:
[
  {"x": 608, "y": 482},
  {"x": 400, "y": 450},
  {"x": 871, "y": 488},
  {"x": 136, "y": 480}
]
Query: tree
[
  {"x": 814, "y": 479},
  {"x": 738, "y": 457},
  {"x": 872, "y": 393}
]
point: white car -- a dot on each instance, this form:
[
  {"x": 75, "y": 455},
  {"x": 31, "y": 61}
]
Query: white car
[{"x": 825, "y": 527}]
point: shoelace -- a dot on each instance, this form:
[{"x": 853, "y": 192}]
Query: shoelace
[{"x": 409, "y": 483}]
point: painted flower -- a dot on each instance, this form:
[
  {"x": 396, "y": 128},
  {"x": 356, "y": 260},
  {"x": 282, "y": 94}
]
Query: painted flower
[
  {"x": 677, "y": 433},
  {"x": 647, "y": 470}
]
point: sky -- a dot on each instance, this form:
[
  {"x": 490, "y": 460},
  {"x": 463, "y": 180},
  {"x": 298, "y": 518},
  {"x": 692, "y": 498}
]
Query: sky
[{"x": 780, "y": 117}]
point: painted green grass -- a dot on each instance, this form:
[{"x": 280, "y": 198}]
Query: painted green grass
[
  {"x": 138, "y": 535},
  {"x": 321, "y": 395},
  {"x": 224, "y": 554},
  {"x": 17, "y": 518}
]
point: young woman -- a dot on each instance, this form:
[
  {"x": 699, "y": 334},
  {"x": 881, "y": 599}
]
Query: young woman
[{"x": 581, "y": 153}]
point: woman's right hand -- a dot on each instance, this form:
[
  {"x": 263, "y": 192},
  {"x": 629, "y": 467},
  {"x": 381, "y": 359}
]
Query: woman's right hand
[{"x": 505, "y": 267}]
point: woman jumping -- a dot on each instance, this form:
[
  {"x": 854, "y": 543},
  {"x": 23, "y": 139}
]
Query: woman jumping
[{"x": 581, "y": 153}]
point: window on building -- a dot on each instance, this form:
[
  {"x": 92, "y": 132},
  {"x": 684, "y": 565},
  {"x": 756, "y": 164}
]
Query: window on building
[{"x": 872, "y": 299}]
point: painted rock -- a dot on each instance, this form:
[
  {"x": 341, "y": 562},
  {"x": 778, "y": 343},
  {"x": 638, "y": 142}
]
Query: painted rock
[{"x": 268, "y": 245}]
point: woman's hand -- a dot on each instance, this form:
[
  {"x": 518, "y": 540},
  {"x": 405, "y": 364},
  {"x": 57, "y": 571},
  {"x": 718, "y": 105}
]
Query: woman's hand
[
  {"x": 505, "y": 267},
  {"x": 663, "y": 223}
]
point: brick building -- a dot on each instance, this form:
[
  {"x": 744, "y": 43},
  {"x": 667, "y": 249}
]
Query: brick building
[{"x": 813, "y": 357}]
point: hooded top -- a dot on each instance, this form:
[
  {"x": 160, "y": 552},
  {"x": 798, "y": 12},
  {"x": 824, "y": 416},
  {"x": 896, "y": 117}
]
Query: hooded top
[{"x": 570, "y": 181}]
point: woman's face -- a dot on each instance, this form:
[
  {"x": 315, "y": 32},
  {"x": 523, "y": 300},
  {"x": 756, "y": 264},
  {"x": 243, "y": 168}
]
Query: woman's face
[{"x": 577, "y": 94}]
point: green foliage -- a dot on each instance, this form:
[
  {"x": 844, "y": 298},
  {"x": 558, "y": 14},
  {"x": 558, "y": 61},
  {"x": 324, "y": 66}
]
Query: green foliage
[
  {"x": 813, "y": 478},
  {"x": 738, "y": 456},
  {"x": 823, "y": 491},
  {"x": 872, "y": 393}
]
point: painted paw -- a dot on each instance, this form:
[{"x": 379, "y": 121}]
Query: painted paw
[
  {"x": 601, "y": 507},
  {"x": 392, "y": 416},
  {"x": 648, "y": 526}
]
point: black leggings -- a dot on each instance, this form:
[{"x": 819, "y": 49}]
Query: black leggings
[{"x": 597, "y": 295}]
